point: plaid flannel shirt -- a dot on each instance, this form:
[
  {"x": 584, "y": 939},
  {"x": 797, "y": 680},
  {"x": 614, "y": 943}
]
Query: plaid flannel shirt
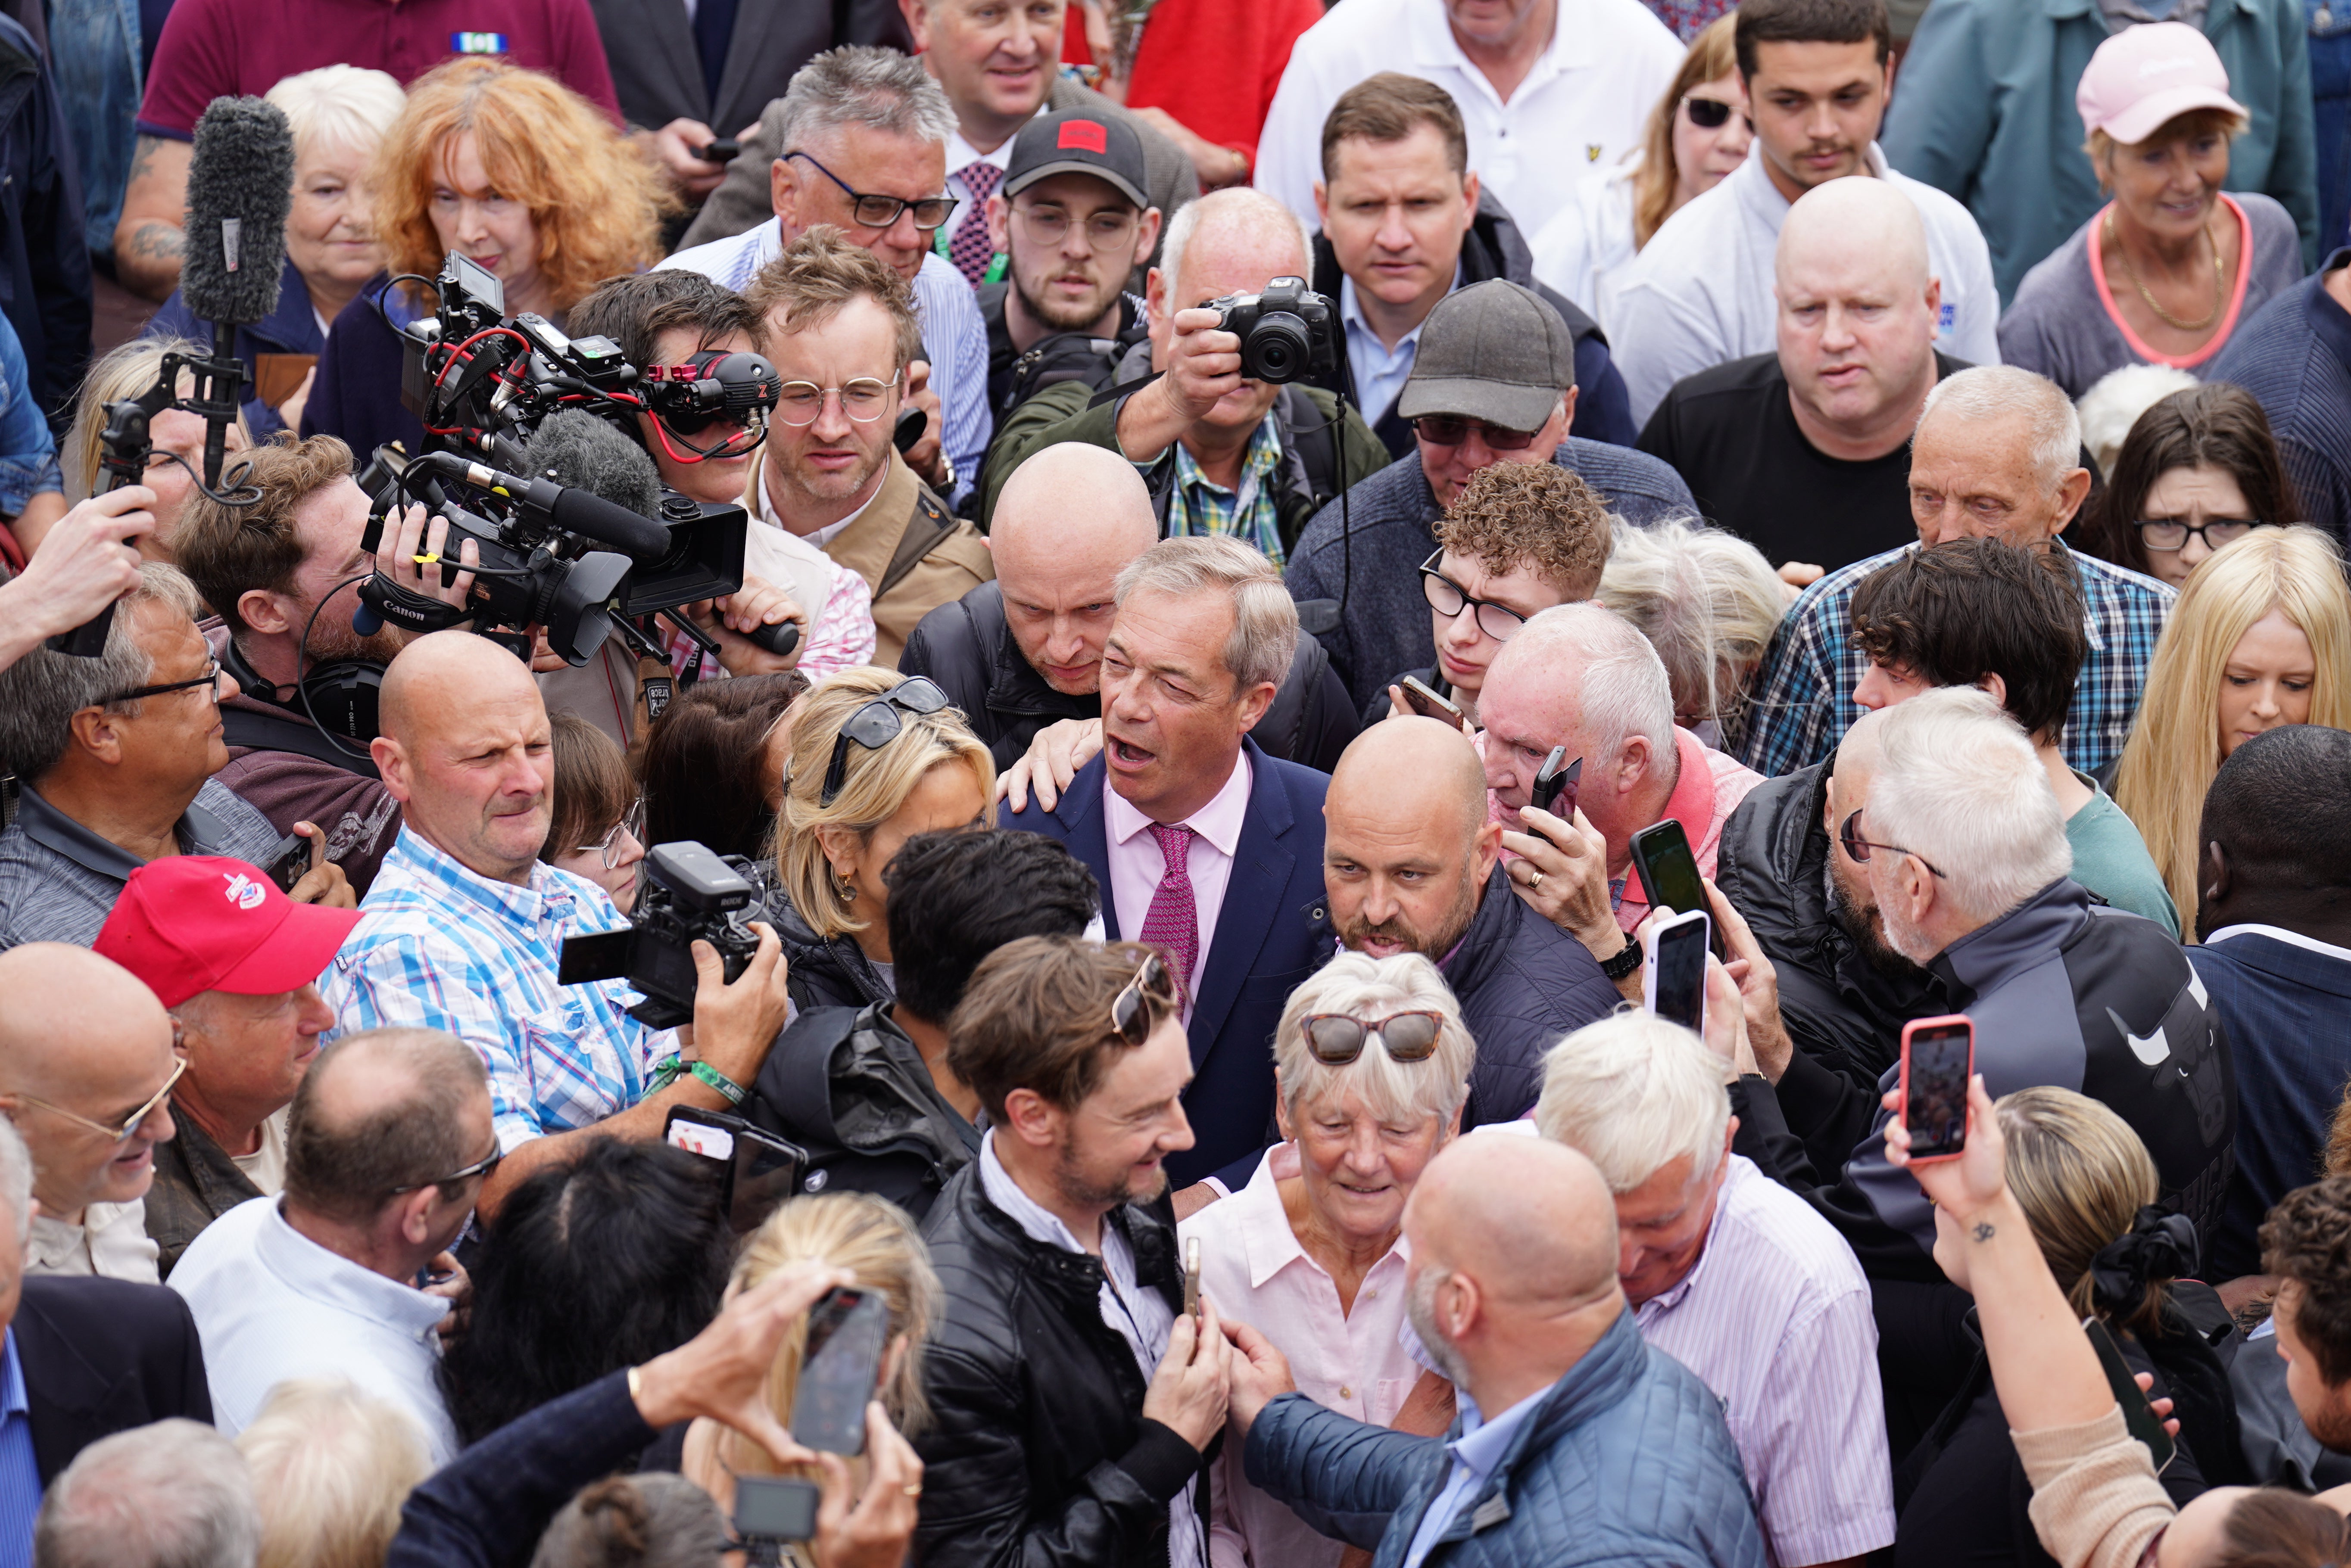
[
  {"x": 438, "y": 947},
  {"x": 1802, "y": 703},
  {"x": 1201, "y": 505}
]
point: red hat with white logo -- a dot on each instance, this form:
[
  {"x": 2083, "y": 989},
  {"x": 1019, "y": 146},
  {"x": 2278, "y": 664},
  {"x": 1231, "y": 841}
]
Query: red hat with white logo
[{"x": 192, "y": 923}]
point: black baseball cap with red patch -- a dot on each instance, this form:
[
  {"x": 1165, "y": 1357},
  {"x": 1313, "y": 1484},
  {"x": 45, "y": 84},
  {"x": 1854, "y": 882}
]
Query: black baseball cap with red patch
[{"x": 1077, "y": 141}]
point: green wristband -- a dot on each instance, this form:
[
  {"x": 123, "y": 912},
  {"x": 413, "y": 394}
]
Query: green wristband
[{"x": 733, "y": 1091}]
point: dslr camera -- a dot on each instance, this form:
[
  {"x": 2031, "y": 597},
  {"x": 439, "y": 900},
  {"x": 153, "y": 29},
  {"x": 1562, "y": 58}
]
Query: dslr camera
[
  {"x": 1287, "y": 333},
  {"x": 685, "y": 892}
]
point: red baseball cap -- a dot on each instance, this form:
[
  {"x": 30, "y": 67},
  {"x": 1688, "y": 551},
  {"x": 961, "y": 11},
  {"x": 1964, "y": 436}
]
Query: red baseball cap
[{"x": 192, "y": 923}]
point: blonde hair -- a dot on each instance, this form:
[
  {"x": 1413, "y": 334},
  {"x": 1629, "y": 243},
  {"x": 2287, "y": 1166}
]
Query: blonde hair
[
  {"x": 874, "y": 1240},
  {"x": 1712, "y": 57},
  {"x": 595, "y": 201},
  {"x": 1707, "y": 600},
  {"x": 2188, "y": 126},
  {"x": 1370, "y": 988},
  {"x": 2175, "y": 743},
  {"x": 874, "y": 787},
  {"x": 122, "y": 372},
  {"x": 339, "y": 106},
  {"x": 331, "y": 1465},
  {"x": 2081, "y": 1176},
  {"x": 1632, "y": 1092}
]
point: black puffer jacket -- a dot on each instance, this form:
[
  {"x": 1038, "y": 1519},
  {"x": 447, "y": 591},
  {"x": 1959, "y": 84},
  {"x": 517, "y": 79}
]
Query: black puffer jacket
[
  {"x": 967, "y": 647},
  {"x": 1038, "y": 1453},
  {"x": 823, "y": 971}
]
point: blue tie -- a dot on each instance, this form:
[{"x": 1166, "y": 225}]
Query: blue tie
[{"x": 713, "y": 24}]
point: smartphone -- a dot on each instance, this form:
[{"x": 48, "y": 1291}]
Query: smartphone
[
  {"x": 1938, "y": 1056},
  {"x": 720, "y": 149},
  {"x": 1192, "y": 1277},
  {"x": 769, "y": 1508},
  {"x": 843, "y": 1363},
  {"x": 1556, "y": 782},
  {"x": 1424, "y": 700},
  {"x": 2138, "y": 1414},
  {"x": 1669, "y": 874},
  {"x": 766, "y": 1170},
  {"x": 1673, "y": 980},
  {"x": 912, "y": 423},
  {"x": 289, "y": 862}
]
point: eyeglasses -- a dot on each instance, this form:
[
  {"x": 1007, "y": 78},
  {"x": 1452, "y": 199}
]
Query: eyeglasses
[
  {"x": 1130, "y": 1010},
  {"x": 1449, "y": 598},
  {"x": 485, "y": 1168},
  {"x": 1105, "y": 231},
  {"x": 879, "y": 211},
  {"x": 130, "y": 1125},
  {"x": 633, "y": 823},
  {"x": 211, "y": 677},
  {"x": 1447, "y": 429},
  {"x": 800, "y": 403},
  {"x": 1706, "y": 113},
  {"x": 2166, "y": 535},
  {"x": 1336, "y": 1039},
  {"x": 1859, "y": 847},
  {"x": 878, "y": 723}
]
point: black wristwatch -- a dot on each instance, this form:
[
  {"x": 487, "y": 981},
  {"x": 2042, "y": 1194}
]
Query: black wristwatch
[{"x": 1627, "y": 960}]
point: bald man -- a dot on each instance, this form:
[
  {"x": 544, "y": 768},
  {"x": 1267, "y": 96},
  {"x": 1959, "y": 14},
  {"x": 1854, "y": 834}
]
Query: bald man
[
  {"x": 1576, "y": 1443},
  {"x": 463, "y": 928},
  {"x": 1412, "y": 864},
  {"x": 1220, "y": 454},
  {"x": 1804, "y": 453},
  {"x": 86, "y": 1072}
]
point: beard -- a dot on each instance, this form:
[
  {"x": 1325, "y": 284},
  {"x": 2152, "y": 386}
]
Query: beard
[
  {"x": 1433, "y": 944},
  {"x": 1420, "y": 1307},
  {"x": 333, "y": 638},
  {"x": 1864, "y": 928},
  {"x": 1064, "y": 318},
  {"x": 812, "y": 484},
  {"x": 1085, "y": 1189}
]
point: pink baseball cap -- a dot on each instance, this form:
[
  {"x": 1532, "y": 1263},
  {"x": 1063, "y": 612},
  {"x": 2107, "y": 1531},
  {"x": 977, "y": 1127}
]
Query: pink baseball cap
[
  {"x": 191, "y": 923},
  {"x": 2149, "y": 74}
]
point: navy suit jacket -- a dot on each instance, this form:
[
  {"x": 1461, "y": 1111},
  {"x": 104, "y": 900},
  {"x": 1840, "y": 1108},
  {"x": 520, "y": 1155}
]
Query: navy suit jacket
[
  {"x": 1268, "y": 935},
  {"x": 2287, "y": 1011}
]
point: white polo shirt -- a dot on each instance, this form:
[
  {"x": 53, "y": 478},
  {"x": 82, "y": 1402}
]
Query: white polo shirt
[
  {"x": 1579, "y": 109},
  {"x": 1700, "y": 294}
]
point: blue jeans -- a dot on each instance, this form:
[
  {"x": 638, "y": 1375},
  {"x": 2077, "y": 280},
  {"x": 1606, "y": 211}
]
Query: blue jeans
[{"x": 2330, "y": 101}]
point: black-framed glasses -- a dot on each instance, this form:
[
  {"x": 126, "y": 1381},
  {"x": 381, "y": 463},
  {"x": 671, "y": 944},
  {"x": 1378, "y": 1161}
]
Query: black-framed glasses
[
  {"x": 1337, "y": 1039},
  {"x": 1449, "y": 598},
  {"x": 485, "y": 1168},
  {"x": 801, "y": 404},
  {"x": 1451, "y": 430},
  {"x": 1859, "y": 847},
  {"x": 1130, "y": 1010},
  {"x": 878, "y": 723},
  {"x": 1706, "y": 113},
  {"x": 633, "y": 823},
  {"x": 1105, "y": 231},
  {"x": 2167, "y": 534},
  {"x": 211, "y": 677},
  {"x": 873, "y": 212}
]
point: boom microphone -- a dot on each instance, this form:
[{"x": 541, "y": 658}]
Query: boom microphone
[
  {"x": 240, "y": 189},
  {"x": 569, "y": 507},
  {"x": 585, "y": 453}
]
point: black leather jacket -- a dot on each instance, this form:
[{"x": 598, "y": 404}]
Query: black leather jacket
[{"x": 1038, "y": 1453}]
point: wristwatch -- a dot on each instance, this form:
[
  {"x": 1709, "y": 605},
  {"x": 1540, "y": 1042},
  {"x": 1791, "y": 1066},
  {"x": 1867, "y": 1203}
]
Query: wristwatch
[{"x": 1626, "y": 959}]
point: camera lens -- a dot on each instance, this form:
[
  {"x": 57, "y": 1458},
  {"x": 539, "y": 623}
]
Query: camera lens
[{"x": 1276, "y": 350}]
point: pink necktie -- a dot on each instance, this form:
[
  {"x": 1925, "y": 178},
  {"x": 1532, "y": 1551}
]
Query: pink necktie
[
  {"x": 1172, "y": 924},
  {"x": 970, "y": 250}
]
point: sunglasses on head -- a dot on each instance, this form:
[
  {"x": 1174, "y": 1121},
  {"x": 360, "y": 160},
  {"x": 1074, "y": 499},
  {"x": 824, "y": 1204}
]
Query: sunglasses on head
[
  {"x": 1337, "y": 1039},
  {"x": 1130, "y": 1010},
  {"x": 878, "y": 723},
  {"x": 1708, "y": 113}
]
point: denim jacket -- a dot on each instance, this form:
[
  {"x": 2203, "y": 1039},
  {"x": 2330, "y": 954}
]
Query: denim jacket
[
  {"x": 28, "y": 457},
  {"x": 94, "y": 50}
]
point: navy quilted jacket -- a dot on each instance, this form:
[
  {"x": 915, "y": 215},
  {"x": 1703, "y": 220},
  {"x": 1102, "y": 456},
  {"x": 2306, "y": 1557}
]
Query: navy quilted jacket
[{"x": 1628, "y": 1462}]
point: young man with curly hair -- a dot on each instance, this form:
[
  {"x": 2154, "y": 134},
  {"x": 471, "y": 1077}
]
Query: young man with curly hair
[{"x": 2306, "y": 1247}]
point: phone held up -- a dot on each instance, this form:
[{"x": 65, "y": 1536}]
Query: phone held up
[
  {"x": 1425, "y": 700},
  {"x": 1673, "y": 980},
  {"x": 1661, "y": 853},
  {"x": 755, "y": 1170},
  {"x": 289, "y": 862},
  {"x": 847, "y": 1332},
  {"x": 1939, "y": 1057},
  {"x": 1555, "y": 785}
]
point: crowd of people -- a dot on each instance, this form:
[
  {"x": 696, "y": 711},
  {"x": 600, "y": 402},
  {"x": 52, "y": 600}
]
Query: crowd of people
[{"x": 1101, "y": 1002}]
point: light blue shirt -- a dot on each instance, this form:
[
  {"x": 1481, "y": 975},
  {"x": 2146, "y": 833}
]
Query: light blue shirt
[
  {"x": 1476, "y": 1452},
  {"x": 20, "y": 1472},
  {"x": 1379, "y": 371}
]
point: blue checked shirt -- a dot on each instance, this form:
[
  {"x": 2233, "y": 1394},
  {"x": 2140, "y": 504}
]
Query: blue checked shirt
[
  {"x": 438, "y": 947},
  {"x": 1802, "y": 701},
  {"x": 954, "y": 339},
  {"x": 1201, "y": 505}
]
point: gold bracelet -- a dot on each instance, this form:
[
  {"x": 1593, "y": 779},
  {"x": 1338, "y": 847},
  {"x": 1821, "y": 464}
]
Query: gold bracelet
[{"x": 636, "y": 1387}]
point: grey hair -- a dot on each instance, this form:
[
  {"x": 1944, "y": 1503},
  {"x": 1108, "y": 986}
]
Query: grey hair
[
  {"x": 41, "y": 692},
  {"x": 1959, "y": 785},
  {"x": 340, "y": 106},
  {"x": 864, "y": 86},
  {"x": 1366, "y": 988},
  {"x": 1987, "y": 392},
  {"x": 1626, "y": 691},
  {"x": 1248, "y": 207},
  {"x": 1265, "y": 617},
  {"x": 2115, "y": 402},
  {"x": 17, "y": 1181},
  {"x": 655, "y": 1520},
  {"x": 331, "y": 1465},
  {"x": 1707, "y": 600},
  {"x": 1633, "y": 1094},
  {"x": 171, "y": 1495}
]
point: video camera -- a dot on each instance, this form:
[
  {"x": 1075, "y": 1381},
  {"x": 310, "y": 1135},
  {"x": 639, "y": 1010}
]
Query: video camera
[
  {"x": 686, "y": 892},
  {"x": 1287, "y": 333}
]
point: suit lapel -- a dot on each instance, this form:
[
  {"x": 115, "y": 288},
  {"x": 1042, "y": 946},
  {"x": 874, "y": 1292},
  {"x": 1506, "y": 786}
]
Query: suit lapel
[
  {"x": 1085, "y": 833},
  {"x": 754, "y": 25},
  {"x": 72, "y": 1403},
  {"x": 671, "y": 37},
  {"x": 1262, "y": 864}
]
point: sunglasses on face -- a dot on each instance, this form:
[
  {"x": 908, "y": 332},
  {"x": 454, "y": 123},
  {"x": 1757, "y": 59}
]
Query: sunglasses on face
[
  {"x": 1447, "y": 429},
  {"x": 1130, "y": 1010},
  {"x": 1706, "y": 113},
  {"x": 1859, "y": 847},
  {"x": 1337, "y": 1039},
  {"x": 878, "y": 723}
]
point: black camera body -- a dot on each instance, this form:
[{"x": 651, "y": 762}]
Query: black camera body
[
  {"x": 1287, "y": 332},
  {"x": 481, "y": 382},
  {"x": 685, "y": 892}
]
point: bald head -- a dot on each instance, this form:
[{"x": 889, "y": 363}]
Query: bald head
[
  {"x": 1407, "y": 848},
  {"x": 1530, "y": 1220},
  {"x": 1414, "y": 771},
  {"x": 1238, "y": 228},
  {"x": 85, "y": 1035},
  {"x": 419, "y": 685},
  {"x": 466, "y": 751},
  {"x": 1065, "y": 525},
  {"x": 1849, "y": 226},
  {"x": 382, "y": 1109},
  {"x": 1858, "y": 306}
]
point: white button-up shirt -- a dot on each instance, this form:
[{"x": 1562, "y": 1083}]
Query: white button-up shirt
[
  {"x": 111, "y": 1242},
  {"x": 271, "y": 1303},
  {"x": 1581, "y": 107}
]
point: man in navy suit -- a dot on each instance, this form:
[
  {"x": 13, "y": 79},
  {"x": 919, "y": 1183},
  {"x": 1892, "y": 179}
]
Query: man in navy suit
[
  {"x": 1210, "y": 850},
  {"x": 2273, "y": 913}
]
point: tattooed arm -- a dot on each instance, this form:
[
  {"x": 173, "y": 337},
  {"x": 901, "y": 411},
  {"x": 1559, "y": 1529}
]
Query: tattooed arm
[{"x": 148, "y": 238}]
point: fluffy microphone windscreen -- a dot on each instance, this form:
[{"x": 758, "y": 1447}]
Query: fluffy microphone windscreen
[
  {"x": 240, "y": 188},
  {"x": 584, "y": 451}
]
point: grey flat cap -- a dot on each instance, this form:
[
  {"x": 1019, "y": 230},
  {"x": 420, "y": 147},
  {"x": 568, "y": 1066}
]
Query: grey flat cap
[{"x": 1493, "y": 351}]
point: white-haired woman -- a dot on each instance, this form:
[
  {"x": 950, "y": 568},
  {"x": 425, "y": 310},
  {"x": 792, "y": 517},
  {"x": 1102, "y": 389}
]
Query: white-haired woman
[
  {"x": 339, "y": 114},
  {"x": 1371, "y": 1067},
  {"x": 1709, "y": 602}
]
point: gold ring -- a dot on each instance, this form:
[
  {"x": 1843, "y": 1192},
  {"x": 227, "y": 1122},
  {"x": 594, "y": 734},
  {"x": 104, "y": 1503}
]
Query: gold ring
[
  {"x": 913, "y": 1488},
  {"x": 1534, "y": 881}
]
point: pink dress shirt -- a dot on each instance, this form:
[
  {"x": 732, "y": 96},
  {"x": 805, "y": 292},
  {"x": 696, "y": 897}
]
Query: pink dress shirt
[
  {"x": 1253, "y": 1269},
  {"x": 1137, "y": 864}
]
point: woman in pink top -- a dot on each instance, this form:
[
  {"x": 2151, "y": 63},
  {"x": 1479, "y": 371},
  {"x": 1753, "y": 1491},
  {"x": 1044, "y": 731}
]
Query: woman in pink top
[
  {"x": 2163, "y": 273},
  {"x": 1371, "y": 1065}
]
